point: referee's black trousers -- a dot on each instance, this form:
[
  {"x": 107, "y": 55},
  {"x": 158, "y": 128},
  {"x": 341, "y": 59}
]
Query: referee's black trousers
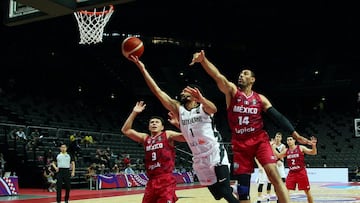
[{"x": 63, "y": 176}]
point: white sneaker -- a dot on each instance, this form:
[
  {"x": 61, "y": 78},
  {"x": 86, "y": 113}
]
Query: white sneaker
[{"x": 267, "y": 198}]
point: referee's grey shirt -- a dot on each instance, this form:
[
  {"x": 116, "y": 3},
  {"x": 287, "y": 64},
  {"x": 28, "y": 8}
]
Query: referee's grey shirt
[{"x": 63, "y": 160}]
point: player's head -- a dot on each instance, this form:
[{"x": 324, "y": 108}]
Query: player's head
[
  {"x": 185, "y": 97},
  {"x": 246, "y": 78},
  {"x": 290, "y": 141},
  {"x": 156, "y": 124},
  {"x": 278, "y": 136}
]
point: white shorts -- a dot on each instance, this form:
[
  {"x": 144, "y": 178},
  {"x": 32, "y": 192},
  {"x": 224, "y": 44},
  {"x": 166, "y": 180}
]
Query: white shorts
[
  {"x": 281, "y": 168},
  {"x": 261, "y": 177},
  {"x": 204, "y": 164}
]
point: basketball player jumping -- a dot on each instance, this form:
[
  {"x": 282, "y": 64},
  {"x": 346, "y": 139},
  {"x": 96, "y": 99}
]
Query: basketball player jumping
[
  {"x": 248, "y": 137},
  {"x": 159, "y": 156},
  {"x": 194, "y": 113}
]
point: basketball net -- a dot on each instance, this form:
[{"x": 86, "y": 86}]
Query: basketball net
[{"x": 92, "y": 23}]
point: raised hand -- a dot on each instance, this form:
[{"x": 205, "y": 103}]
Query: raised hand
[
  {"x": 139, "y": 107},
  {"x": 313, "y": 140},
  {"x": 195, "y": 93},
  {"x": 137, "y": 61},
  {"x": 272, "y": 141},
  {"x": 173, "y": 119},
  {"x": 197, "y": 57}
]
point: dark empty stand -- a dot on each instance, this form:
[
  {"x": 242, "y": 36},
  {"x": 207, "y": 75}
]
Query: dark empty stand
[{"x": 57, "y": 119}]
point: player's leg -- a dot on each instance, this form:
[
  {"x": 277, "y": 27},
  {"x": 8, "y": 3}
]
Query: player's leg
[
  {"x": 259, "y": 190},
  {"x": 263, "y": 156},
  {"x": 275, "y": 179},
  {"x": 268, "y": 191},
  {"x": 222, "y": 188},
  {"x": 309, "y": 196},
  {"x": 243, "y": 187},
  {"x": 304, "y": 184}
]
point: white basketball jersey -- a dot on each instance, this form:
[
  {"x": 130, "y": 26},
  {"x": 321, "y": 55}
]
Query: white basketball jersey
[
  {"x": 196, "y": 126},
  {"x": 280, "y": 163}
]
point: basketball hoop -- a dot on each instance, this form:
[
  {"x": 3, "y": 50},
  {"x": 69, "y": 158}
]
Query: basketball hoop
[{"x": 91, "y": 24}]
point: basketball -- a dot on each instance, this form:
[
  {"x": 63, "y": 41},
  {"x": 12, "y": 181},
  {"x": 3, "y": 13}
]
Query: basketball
[{"x": 132, "y": 46}]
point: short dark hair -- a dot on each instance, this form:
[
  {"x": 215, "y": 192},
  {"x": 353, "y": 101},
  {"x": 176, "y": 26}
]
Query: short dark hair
[
  {"x": 62, "y": 143},
  {"x": 251, "y": 68},
  {"x": 158, "y": 117},
  {"x": 198, "y": 87}
]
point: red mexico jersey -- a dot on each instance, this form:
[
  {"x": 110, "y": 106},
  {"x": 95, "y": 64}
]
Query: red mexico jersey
[
  {"x": 159, "y": 155},
  {"x": 295, "y": 159},
  {"x": 245, "y": 115}
]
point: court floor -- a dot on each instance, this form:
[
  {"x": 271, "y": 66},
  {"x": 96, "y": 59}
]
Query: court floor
[{"x": 188, "y": 193}]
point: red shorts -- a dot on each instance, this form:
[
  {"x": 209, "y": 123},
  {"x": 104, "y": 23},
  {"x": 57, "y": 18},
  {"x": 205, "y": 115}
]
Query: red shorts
[
  {"x": 299, "y": 178},
  {"x": 245, "y": 150},
  {"x": 160, "y": 189}
]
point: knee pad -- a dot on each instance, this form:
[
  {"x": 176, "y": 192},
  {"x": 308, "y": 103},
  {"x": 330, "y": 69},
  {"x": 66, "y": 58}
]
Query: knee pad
[
  {"x": 260, "y": 187},
  {"x": 243, "y": 192},
  {"x": 244, "y": 186}
]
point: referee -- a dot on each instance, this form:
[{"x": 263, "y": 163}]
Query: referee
[{"x": 63, "y": 164}]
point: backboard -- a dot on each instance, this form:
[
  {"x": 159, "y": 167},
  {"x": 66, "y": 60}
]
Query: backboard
[{"x": 19, "y": 12}]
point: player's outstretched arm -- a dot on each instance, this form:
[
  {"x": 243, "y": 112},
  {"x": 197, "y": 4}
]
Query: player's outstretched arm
[
  {"x": 127, "y": 126},
  {"x": 281, "y": 120},
  {"x": 169, "y": 103},
  {"x": 222, "y": 82},
  {"x": 313, "y": 150},
  {"x": 208, "y": 106}
]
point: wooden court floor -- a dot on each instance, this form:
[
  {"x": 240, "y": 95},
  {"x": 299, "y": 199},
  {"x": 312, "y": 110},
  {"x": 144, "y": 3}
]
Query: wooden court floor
[{"x": 322, "y": 192}]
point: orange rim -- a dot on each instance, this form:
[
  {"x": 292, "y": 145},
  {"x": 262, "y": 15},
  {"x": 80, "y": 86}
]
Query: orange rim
[{"x": 86, "y": 12}]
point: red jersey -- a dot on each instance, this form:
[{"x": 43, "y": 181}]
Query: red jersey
[
  {"x": 245, "y": 115},
  {"x": 159, "y": 155},
  {"x": 126, "y": 161},
  {"x": 295, "y": 159}
]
